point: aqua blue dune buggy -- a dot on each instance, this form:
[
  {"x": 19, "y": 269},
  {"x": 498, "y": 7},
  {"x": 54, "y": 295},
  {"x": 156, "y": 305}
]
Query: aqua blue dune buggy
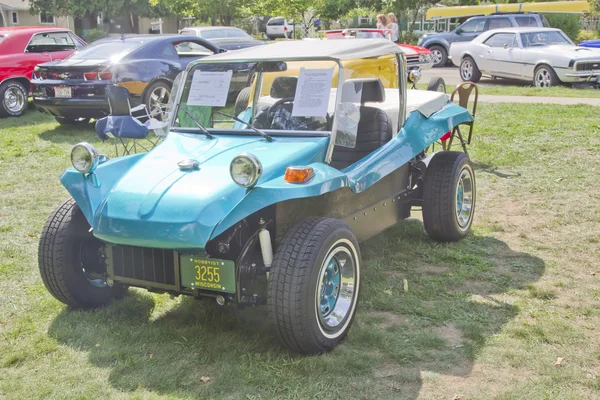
[{"x": 264, "y": 203}]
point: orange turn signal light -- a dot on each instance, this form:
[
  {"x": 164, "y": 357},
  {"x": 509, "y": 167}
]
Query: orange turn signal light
[{"x": 298, "y": 174}]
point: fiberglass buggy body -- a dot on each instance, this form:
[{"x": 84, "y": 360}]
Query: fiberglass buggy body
[{"x": 267, "y": 206}]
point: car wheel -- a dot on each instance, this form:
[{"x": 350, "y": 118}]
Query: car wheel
[
  {"x": 242, "y": 101},
  {"x": 313, "y": 285},
  {"x": 437, "y": 84},
  {"x": 545, "y": 76},
  {"x": 72, "y": 122},
  {"x": 71, "y": 261},
  {"x": 448, "y": 196},
  {"x": 440, "y": 56},
  {"x": 13, "y": 99},
  {"x": 156, "y": 99},
  {"x": 469, "y": 72}
]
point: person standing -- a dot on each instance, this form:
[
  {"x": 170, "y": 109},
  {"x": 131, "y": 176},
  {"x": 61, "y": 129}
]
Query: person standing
[
  {"x": 381, "y": 22},
  {"x": 393, "y": 27}
]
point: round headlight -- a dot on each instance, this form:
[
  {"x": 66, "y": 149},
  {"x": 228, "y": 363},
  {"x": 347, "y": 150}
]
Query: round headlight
[
  {"x": 245, "y": 169},
  {"x": 84, "y": 157},
  {"x": 422, "y": 58},
  {"x": 414, "y": 76}
]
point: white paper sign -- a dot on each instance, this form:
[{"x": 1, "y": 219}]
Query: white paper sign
[
  {"x": 312, "y": 93},
  {"x": 210, "y": 88}
]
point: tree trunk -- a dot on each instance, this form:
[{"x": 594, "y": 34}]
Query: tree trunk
[
  {"x": 136, "y": 23},
  {"x": 213, "y": 21}
]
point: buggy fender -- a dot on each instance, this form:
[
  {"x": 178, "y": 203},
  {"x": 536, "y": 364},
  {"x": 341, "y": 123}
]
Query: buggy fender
[
  {"x": 416, "y": 135},
  {"x": 85, "y": 188}
]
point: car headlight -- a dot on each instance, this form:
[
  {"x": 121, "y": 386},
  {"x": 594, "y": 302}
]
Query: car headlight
[
  {"x": 414, "y": 76},
  {"x": 245, "y": 169},
  {"x": 430, "y": 57},
  {"x": 84, "y": 157},
  {"x": 423, "y": 58}
]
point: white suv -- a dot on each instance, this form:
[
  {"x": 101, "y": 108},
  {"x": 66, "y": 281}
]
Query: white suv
[{"x": 278, "y": 27}]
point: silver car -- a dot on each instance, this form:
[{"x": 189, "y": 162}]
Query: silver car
[{"x": 545, "y": 56}]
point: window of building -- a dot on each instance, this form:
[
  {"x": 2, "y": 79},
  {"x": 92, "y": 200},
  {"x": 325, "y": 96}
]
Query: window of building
[
  {"x": 14, "y": 18},
  {"x": 46, "y": 18}
]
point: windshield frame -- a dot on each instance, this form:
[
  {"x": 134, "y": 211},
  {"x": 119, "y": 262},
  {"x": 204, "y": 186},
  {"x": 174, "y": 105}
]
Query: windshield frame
[{"x": 400, "y": 60}]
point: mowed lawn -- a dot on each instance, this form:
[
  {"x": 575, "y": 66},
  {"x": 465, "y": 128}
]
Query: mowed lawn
[{"x": 512, "y": 312}]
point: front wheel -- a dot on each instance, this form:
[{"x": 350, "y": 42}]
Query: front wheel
[
  {"x": 469, "y": 71},
  {"x": 71, "y": 260},
  {"x": 314, "y": 284},
  {"x": 448, "y": 196},
  {"x": 437, "y": 84},
  {"x": 545, "y": 76},
  {"x": 440, "y": 56}
]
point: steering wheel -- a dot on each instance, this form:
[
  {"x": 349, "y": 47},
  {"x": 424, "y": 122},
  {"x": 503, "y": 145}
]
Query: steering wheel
[{"x": 274, "y": 106}]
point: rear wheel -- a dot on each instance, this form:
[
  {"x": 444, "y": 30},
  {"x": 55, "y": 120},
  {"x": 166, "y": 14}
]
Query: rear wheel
[
  {"x": 156, "y": 99},
  {"x": 437, "y": 84},
  {"x": 13, "y": 98},
  {"x": 242, "y": 101},
  {"x": 440, "y": 55},
  {"x": 71, "y": 260},
  {"x": 448, "y": 196},
  {"x": 469, "y": 72},
  {"x": 314, "y": 284},
  {"x": 545, "y": 76}
]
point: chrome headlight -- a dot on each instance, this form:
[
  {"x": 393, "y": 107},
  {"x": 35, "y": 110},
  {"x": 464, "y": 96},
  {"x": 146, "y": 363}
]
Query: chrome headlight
[
  {"x": 245, "y": 169},
  {"x": 84, "y": 157},
  {"x": 423, "y": 58},
  {"x": 414, "y": 75}
]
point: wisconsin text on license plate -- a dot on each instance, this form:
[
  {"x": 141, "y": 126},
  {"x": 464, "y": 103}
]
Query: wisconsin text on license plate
[
  {"x": 62, "y": 92},
  {"x": 207, "y": 274}
]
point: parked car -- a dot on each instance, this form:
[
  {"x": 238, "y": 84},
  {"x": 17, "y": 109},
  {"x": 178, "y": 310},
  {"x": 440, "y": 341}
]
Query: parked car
[
  {"x": 21, "y": 49},
  {"x": 417, "y": 57},
  {"x": 543, "y": 56},
  {"x": 439, "y": 43},
  {"x": 74, "y": 90},
  {"x": 225, "y": 37},
  {"x": 279, "y": 27},
  {"x": 269, "y": 207}
]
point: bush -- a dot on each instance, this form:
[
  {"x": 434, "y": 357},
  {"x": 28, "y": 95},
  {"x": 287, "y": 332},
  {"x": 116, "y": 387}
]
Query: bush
[
  {"x": 586, "y": 35},
  {"x": 570, "y": 24},
  {"x": 92, "y": 35}
]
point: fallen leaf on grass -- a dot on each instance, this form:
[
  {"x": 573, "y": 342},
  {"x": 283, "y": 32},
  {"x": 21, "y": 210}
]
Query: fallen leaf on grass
[
  {"x": 405, "y": 285},
  {"x": 457, "y": 397},
  {"x": 558, "y": 362},
  {"x": 205, "y": 379},
  {"x": 149, "y": 355},
  {"x": 97, "y": 344}
]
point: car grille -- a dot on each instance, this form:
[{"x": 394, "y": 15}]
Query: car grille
[
  {"x": 588, "y": 66},
  {"x": 144, "y": 264},
  {"x": 412, "y": 60}
]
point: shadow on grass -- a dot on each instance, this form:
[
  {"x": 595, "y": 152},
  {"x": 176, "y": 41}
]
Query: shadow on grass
[
  {"x": 456, "y": 299},
  {"x": 71, "y": 134},
  {"x": 493, "y": 169}
]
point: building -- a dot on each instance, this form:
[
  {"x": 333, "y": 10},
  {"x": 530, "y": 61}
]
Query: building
[{"x": 16, "y": 13}]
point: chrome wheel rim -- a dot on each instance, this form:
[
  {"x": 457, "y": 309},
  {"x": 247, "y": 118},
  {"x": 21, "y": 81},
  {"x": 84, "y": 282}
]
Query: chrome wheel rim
[
  {"x": 159, "y": 98},
  {"x": 543, "y": 78},
  {"x": 441, "y": 88},
  {"x": 464, "y": 198},
  {"x": 466, "y": 70},
  {"x": 14, "y": 100},
  {"x": 337, "y": 289},
  {"x": 437, "y": 56}
]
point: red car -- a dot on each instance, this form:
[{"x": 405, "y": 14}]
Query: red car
[
  {"x": 416, "y": 56},
  {"x": 21, "y": 49}
]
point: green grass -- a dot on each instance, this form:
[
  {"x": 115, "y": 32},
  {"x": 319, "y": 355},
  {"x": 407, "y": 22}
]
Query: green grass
[
  {"x": 483, "y": 318},
  {"x": 487, "y": 87}
]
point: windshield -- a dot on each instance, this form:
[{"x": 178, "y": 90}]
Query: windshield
[
  {"x": 224, "y": 33},
  {"x": 293, "y": 97},
  {"x": 545, "y": 38},
  {"x": 104, "y": 50},
  {"x": 369, "y": 35}
]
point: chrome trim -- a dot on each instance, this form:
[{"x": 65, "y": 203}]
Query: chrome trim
[
  {"x": 188, "y": 163},
  {"x": 338, "y": 97},
  {"x": 584, "y": 74}
]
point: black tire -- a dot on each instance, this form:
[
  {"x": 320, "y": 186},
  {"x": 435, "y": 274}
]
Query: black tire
[
  {"x": 440, "y": 55},
  {"x": 294, "y": 281},
  {"x": 242, "y": 100},
  {"x": 72, "y": 122},
  {"x": 440, "y": 196},
  {"x": 154, "y": 103},
  {"x": 469, "y": 71},
  {"x": 60, "y": 260},
  {"x": 437, "y": 84},
  {"x": 544, "y": 76},
  {"x": 13, "y": 99}
]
